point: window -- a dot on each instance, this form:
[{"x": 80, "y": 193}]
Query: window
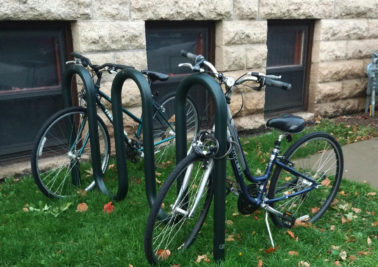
[
  {"x": 165, "y": 40},
  {"x": 32, "y": 57}
]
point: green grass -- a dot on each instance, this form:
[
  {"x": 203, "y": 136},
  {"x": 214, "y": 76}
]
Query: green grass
[{"x": 35, "y": 230}]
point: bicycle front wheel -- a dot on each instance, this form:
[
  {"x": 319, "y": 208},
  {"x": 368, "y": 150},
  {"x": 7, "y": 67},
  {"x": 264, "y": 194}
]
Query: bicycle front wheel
[
  {"x": 164, "y": 124},
  {"x": 318, "y": 156},
  {"x": 179, "y": 210},
  {"x": 61, "y": 155}
]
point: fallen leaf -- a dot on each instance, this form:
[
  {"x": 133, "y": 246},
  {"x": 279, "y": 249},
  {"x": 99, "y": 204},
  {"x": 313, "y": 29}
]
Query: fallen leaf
[
  {"x": 291, "y": 234},
  {"x": 271, "y": 249},
  {"x": 374, "y": 224},
  {"x": 352, "y": 257},
  {"x": 335, "y": 247},
  {"x": 230, "y": 238},
  {"x": 304, "y": 263},
  {"x": 343, "y": 220},
  {"x": 256, "y": 218},
  {"x": 109, "y": 207},
  {"x": 288, "y": 178},
  {"x": 337, "y": 263},
  {"x": 363, "y": 253},
  {"x": 82, "y": 207},
  {"x": 356, "y": 210},
  {"x": 293, "y": 253},
  {"x": 229, "y": 222},
  {"x": 368, "y": 240},
  {"x": 326, "y": 182},
  {"x": 158, "y": 174},
  {"x": 315, "y": 210},
  {"x": 157, "y": 181},
  {"x": 111, "y": 166},
  {"x": 25, "y": 209},
  {"x": 332, "y": 228},
  {"x": 301, "y": 223},
  {"x": 81, "y": 192},
  {"x": 372, "y": 193},
  {"x": 202, "y": 258},
  {"x": 163, "y": 253},
  {"x": 343, "y": 255},
  {"x": 342, "y": 193},
  {"x": 260, "y": 263}
]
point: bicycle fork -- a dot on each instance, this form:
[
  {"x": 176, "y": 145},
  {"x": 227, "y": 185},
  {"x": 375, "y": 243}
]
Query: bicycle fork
[{"x": 184, "y": 189}]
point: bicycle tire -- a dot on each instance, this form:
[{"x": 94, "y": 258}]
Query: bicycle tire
[
  {"x": 164, "y": 152},
  {"x": 319, "y": 156},
  {"x": 161, "y": 212},
  {"x": 53, "y": 160}
]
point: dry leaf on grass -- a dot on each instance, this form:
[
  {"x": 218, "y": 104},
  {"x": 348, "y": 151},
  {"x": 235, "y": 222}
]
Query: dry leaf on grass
[
  {"x": 229, "y": 222},
  {"x": 291, "y": 234},
  {"x": 352, "y": 257},
  {"x": 343, "y": 255},
  {"x": 260, "y": 263},
  {"x": 108, "y": 207},
  {"x": 315, "y": 210},
  {"x": 293, "y": 253},
  {"x": 372, "y": 194},
  {"x": 230, "y": 238},
  {"x": 304, "y": 263},
  {"x": 326, "y": 182},
  {"x": 368, "y": 240},
  {"x": 163, "y": 253},
  {"x": 271, "y": 249},
  {"x": 82, "y": 207},
  {"x": 356, "y": 210},
  {"x": 202, "y": 258}
]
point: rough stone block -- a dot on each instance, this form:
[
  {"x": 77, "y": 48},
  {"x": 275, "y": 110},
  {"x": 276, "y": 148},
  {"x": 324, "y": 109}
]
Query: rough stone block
[
  {"x": 117, "y": 9},
  {"x": 356, "y": 8},
  {"x": 353, "y": 88},
  {"x": 250, "y": 123},
  {"x": 181, "y": 10},
  {"x": 332, "y": 50},
  {"x": 341, "y": 70},
  {"x": 241, "y": 32},
  {"x": 373, "y": 26},
  {"x": 134, "y": 58},
  {"x": 327, "y": 92},
  {"x": 229, "y": 58},
  {"x": 339, "y": 107},
  {"x": 344, "y": 29},
  {"x": 45, "y": 10},
  {"x": 358, "y": 49},
  {"x": 112, "y": 35},
  {"x": 295, "y": 9},
  {"x": 246, "y": 9},
  {"x": 249, "y": 103},
  {"x": 256, "y": 56}
]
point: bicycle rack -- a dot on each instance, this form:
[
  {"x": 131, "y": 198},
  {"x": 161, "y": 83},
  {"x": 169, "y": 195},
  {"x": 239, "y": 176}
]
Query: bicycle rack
[
  {"x": 149, "y": 166},
  {"x": 219, "y": 171},
  {"x": 92, "y": 116}
]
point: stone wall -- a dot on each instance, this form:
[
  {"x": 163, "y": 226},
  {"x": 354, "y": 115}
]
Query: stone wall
[{"x": 344, "y": 38}]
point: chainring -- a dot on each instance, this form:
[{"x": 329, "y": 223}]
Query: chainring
[{"x": 244, "y": 206}]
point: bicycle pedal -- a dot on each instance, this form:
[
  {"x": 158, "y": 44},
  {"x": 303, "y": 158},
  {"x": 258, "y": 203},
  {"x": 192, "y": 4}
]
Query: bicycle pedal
[{"x": 288, "y": 219}]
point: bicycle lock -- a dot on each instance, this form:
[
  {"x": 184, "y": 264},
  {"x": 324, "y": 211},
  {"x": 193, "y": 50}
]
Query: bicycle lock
[
  {"x": 148, "y": 144},
  {"x": 219, "y": 171},
  {"x": 69, "y": 72}
]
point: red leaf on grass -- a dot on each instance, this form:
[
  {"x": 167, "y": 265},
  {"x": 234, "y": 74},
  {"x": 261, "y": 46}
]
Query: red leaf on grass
[
  {"x": 163, "y": 253},
  {"x": 108, "y": 207},
  {"x": 271, "y": 249},
  {"x": 291, "y": 234}
]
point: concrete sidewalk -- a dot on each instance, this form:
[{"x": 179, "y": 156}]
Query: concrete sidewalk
[{"x": 361, "y": 162}]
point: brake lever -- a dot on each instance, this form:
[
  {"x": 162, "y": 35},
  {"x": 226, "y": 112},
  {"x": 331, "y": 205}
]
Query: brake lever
[
  {"x": 71, "y": 62},
  {"x": 196, "y": 69}
]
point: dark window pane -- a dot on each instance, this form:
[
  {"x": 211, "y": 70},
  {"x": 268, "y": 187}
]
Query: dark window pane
[
  {"x": 31, "y": 60},
  {"x": 285, "y": 47},
  {"x": 165, "y": 43}
]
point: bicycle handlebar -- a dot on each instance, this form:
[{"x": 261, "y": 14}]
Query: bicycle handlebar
[{"x": 279, "y": 84}]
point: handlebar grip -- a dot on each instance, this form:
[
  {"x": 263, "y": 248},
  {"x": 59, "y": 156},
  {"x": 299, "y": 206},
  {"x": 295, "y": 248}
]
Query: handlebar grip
[
  {"x": 188, "y": 54},
  {"x": 279, "y": 84}
]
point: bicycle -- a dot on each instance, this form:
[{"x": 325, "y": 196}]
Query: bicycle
[
  {"x": 286, "y": 190},
  {"x": 62, "y": 145}
]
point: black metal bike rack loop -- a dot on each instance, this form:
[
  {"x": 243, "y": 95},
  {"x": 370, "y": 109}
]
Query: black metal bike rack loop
[
  {"x": 69, "y": 72},
  {"x": 219, "y": 171},
  {"x": 148, "y": 144}
]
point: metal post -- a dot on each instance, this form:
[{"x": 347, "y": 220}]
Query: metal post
[
  {"x": 219, "y": 171},
  {"x": 148, "y": 145},
  {"x": 69, "y": 72}
]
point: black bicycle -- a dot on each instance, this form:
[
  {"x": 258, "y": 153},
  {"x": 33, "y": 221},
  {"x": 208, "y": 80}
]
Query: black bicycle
[
  {"x": 63, "y": 142},
  {"x": 297, "y": 186}
]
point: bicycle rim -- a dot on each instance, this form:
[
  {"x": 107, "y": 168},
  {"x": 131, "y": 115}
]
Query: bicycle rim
[
  {"x": 62, "y": 156},
  {"x": 173, "y": 223},
  {"x": 320, "y": 158}
]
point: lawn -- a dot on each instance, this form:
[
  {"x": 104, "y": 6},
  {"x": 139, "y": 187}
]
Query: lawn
[{"x": 35, "y": 230}]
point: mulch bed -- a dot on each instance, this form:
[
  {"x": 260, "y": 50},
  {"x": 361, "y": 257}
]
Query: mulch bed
[{"x": 359, "y": 119}]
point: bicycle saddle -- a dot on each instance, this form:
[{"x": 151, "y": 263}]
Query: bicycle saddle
[
  {"x": 153, "y": 75},
  {"x": 287, "y": 123}
]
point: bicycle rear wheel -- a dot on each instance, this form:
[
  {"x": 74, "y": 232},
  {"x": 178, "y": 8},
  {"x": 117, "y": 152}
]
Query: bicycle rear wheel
[
  {"x": 177, "y": 216},
  {"x": 319, "y": 156},
  {"x": 61, "y": 155},
  {"x": 164, "y": 129}
]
